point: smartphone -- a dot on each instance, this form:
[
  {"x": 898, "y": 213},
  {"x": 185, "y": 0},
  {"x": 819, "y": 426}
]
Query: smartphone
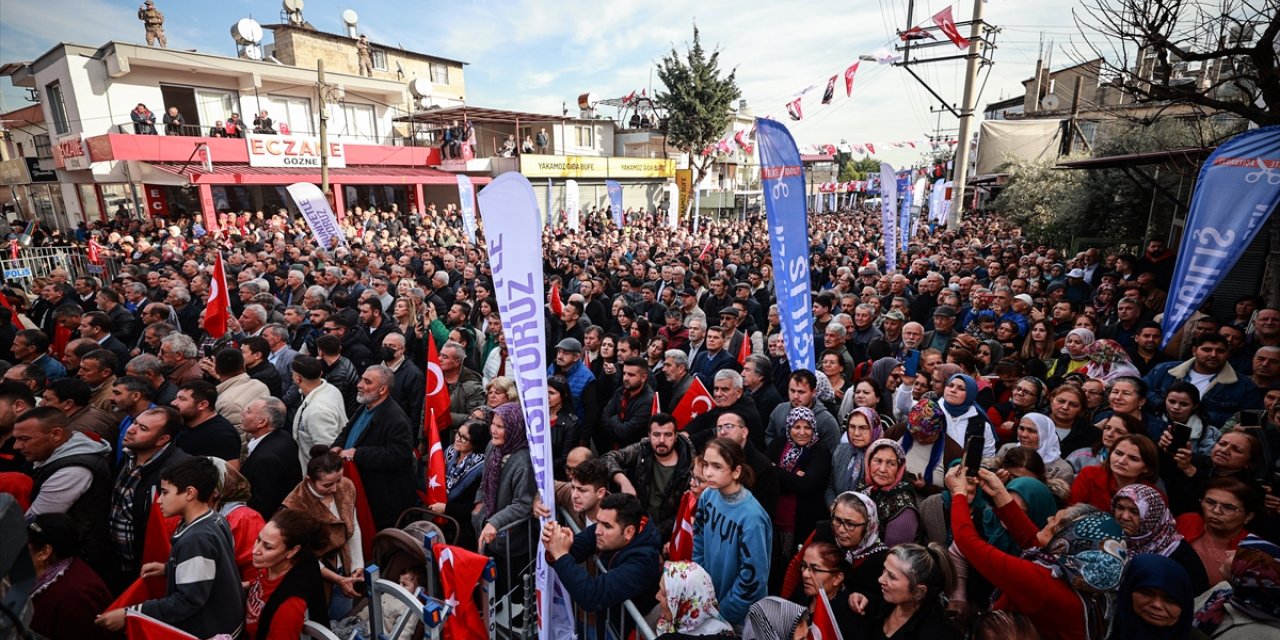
[
  {"x": 973, "y": 456},
  {"x": 1181, "y": 436},
  {"x": 1250, "y": 418},
  {"x": 911, "y": 364},
  {"x": 208, "y": 350}
]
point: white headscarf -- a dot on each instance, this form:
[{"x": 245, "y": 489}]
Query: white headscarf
[
  {"x": 1050, "y": 448},
  {"x": 691, "y": 598}
]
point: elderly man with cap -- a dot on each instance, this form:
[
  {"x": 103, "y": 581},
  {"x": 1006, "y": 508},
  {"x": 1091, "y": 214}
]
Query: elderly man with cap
[
  {"x": 582, "y": 383},
  {"x": 730, "y": 318},
  {"x": 689, "y": 307},
  {"x": 742, "y": 291},
  {"x": 1078, "y": 290},
  {"x": 891, "y": 327},
  {"x": 1020, "y": 312},
  {"x": 944, "y": 323}
]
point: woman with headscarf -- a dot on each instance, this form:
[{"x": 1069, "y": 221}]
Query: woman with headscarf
[
  {"x": 927, "y": 446},
  {"x": 1103, "y": 304},
  {"x": 506, "y": 489},
  {"x": 232, "y": 497},
  {"x": 804, "y": 467},
  {"x": 964, "y": 416},
  {"x": 687, "y": 604},
  {"x": 1108, "y": 361},
  {"x": 1026, "y": 396},
  {"x": 1155, "y": 601},
  {"x": 887, "y": 374},
  {"x": 1150, "y": 528},
  {"x": 1073, "y": 356},
  {"x": 895, "y": 499},
  {"x": 989, "y": 353},
  {"x": 861, "y": 427},
  {"x": 773, "y": 618},
  {"x": 1247, "y": 605},
  {"x": 826, "y": 394},
  {"x": 1036, "y": 432},
  {"x": 1063, "y": 579}
]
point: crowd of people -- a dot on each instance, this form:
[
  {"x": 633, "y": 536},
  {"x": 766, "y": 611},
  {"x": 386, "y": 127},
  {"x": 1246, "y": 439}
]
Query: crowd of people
[
  {"x": 997, "y": 440},
  {"x": 144, "y": 123}
]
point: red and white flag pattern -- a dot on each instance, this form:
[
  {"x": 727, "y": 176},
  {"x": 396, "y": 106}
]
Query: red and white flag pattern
[
  {"x": 848, "y": 79},
  {"x": 438, "y": 401},
  {"x": 437, "y": 490},
  {"x": 218, "y": 310},
  {"x": 696, "y": 401},
  {"x": 139, "y": 626},
  {"x": 460, "y": 572},
  {"x": 824, "y": 625},
  {"x": 947, "y": 23},
  {"x": 793, "y": 109},
  {"x": 682, "y": 538}
]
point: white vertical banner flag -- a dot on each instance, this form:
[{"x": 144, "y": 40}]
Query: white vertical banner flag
[
  {"x": 513, "y": 236},
  {"x": 315, "y": 208},
  {"x": 673, "y": 209},
  {"x": 571, "y": 204},
  {"x": 935, "y": 199},
  {"x": 888, "y": 215},
  {"x": 918, "y": 195},
  {"x": 467, "y": 201}
]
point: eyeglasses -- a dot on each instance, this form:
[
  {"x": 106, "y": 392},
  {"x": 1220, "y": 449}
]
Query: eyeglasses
[
  {"x": 1023, "y": 390},
  {"x": 804, "y": 566},
  {"x": 726, "y": 427},
  {"x": 461, "y": 438},
  {"x": 1214, "y": 505},
  {"x": 841, "y": 523}
]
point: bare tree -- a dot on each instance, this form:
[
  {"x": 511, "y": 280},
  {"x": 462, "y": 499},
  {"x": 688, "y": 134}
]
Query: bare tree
[{"x": 1217, "y": 54}]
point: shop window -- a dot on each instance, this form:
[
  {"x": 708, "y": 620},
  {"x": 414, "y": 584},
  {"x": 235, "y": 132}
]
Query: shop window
[
  {"x": 43, "y": 147},
  {"x": 57, "y": 108},
  {"x": 439, "y": 73}
]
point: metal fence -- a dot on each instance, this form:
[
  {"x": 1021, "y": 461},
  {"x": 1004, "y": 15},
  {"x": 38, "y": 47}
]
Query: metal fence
[{"x": 39, "y": 262}]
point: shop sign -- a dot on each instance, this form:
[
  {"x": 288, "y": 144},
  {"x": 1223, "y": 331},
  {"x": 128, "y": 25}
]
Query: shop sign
[
  {"x": 545, "y": 166},
  {"x": 295, "y": 152},
  {"x": 642, "y": 168},
  {"x": 70, "y": 153},
  {"x": 157, "y": 200},
  {"x": 38, "y": 174}
]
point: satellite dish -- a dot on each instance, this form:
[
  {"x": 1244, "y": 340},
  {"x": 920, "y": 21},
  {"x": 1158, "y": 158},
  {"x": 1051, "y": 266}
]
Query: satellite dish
[
  {"x": 1050, "y": 102},
  {"x": 246, "y": 31},
  {"x": 293, "y": 6},
  {"x": 587, "y": 101},
  {"x": 350, "y": 18},
  {"x": 420, "y": 88},
  {"x": 425, "y": 102}
]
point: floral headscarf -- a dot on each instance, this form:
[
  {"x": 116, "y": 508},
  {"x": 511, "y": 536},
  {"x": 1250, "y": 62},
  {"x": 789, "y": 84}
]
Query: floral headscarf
[
  {"x": 1157, "y": 531},
  {"x": 1088, "y": 552},
  {"x": 1086, "y": 336},
  {"x": 691, "y": 598},
  {"x": 925, "y": 420},
  {"x": 871, "y": 535},
  {"x": 1050, "y": 448},
  {"x": 1108, "y": 361},
  {"x": 792, "y": 452},
  {"x": 1254, "y": 590},
  {"x": 897, "y": 449},
  {"x": 824, "y": 392},
  {"x": 496, "y": 456}
]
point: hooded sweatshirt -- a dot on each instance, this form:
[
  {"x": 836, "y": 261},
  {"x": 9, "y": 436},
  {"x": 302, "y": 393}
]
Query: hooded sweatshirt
[{"x": 68, "y": 474}]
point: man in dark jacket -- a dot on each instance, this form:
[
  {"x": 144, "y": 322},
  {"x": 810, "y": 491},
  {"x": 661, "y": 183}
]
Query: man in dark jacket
[
  {"x": 355, "y": 343},
  {"x": 713, "y": 358},
  {"x": 379, "y": 439},
  {"x": 628, "y": 412},
  {"x": 627, "y": 545},
  {"x": 728, "y": 396},
  {"x": 655, "y": 470},
  {"x": 271, "y": 468},
  {"x": 410, "y": 383}
]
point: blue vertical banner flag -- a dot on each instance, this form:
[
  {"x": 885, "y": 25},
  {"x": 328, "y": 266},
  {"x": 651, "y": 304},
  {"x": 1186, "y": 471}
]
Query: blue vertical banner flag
[
  {"x": 1238, "y": 188},
  {"x": 904, "y": 210},
  {"x": 782, "y": 179},
  {"x": 615, "y": 201},
  {"x": 888, "y": 215},
  {"x": 467, "y": 201},
  {"x": 513, "y": 238}
]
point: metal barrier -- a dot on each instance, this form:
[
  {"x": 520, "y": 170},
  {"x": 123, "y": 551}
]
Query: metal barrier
[
  {"x": 317, "y": 631},
  {"x": 39, "y": 262},
  {"x": 513, "y": 613},
  {"x": 613, "y": 629}
]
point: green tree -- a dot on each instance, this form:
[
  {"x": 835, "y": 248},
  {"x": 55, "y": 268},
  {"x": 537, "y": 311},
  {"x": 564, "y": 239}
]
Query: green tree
[{"x": 698, "y": 101}]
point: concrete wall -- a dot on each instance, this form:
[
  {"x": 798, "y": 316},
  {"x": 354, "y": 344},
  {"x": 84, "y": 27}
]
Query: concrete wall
[{"x": 302, "y": 48}]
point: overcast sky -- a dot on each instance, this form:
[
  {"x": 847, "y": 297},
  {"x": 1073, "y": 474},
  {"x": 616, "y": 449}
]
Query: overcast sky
[{"x": 537, "y": 54}]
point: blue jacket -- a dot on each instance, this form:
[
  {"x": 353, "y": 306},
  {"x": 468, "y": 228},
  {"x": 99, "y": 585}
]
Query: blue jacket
[
  {"x": 631, "y": 573},
  {"x": 1228, "y": 392},
  {"x": 578, "y": 377}
]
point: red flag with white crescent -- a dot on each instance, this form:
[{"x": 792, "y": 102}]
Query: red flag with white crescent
[
  {"x": 95, "y": 252},
  {"x": 218, "y": 310},
  {"x": 745, "y": 350},
  {"x": 793, "y": 109},
  {"x": 682, "y": 538},
  {"x": 437, "y": 490},
  {"x": 140, "y": 626},
  {"x": 437, "y": 391},
  {"x": 364, "y": 515},
  {"x": 696, "y": 401},
  {"x": 848, "y": 79},
  {"x": 557, "y": 305},
  {"x": 460, "y": 572},
  {"x": 823, "y": 626},
  {"x": 947, "y": 23}
]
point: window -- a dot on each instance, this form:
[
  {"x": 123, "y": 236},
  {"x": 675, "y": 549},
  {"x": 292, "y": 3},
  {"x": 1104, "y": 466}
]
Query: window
[
  {"x": 354, "y": 120},
  {"x": 57, "y": 108},
  {"x": 295, "y": 113},
  {"x": 213, "y": 105},
  {"x": 586, "y": 138},
  {"x": 379, "y": 59},
  {"x": 439, "y": 73},
  {"x": 43, "y": 148}
]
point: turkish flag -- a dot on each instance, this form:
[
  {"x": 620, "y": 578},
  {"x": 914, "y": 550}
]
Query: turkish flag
[
  {"x": 696, "y": 401},
  {"x": 848, "y": 79},
  {"x": 13, "y": 313},
  {"x": 682, "y": 537},
  {"x": 947, "y": 24},
  {"x": 557, "y": 305},
  {"x": 871, "y": 148},
  {"x": 656, "y": 408},
  {"x": 460, "y": 573},
  {"x": 745, "y": 349},
  {"x": 364, "y": 516},
  {"x": 916, "y": 33},
  {"x": 437, "y": 391},
  {"x": 823, "y": 626},
  {"x": 95, "y": 255},
  {"x": 140, "y": 626},
  {"x": 218, "y": 310},
  {"x": 437, "y": 490},
  {"x": 830, "y": 92}
]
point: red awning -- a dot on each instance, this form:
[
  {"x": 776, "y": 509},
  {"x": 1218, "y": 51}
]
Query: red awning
[{"x": 237, "y": 173}]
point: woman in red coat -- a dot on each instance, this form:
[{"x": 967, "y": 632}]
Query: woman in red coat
[
  {"x": 1062, "y": 579},
  {"x": 1134, "y": 459}
]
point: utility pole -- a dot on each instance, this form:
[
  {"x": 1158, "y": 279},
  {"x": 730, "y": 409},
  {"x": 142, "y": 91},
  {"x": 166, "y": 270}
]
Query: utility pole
[
  {"x": 966, "y": 116},
  {"x": 323, "y": 90}
]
